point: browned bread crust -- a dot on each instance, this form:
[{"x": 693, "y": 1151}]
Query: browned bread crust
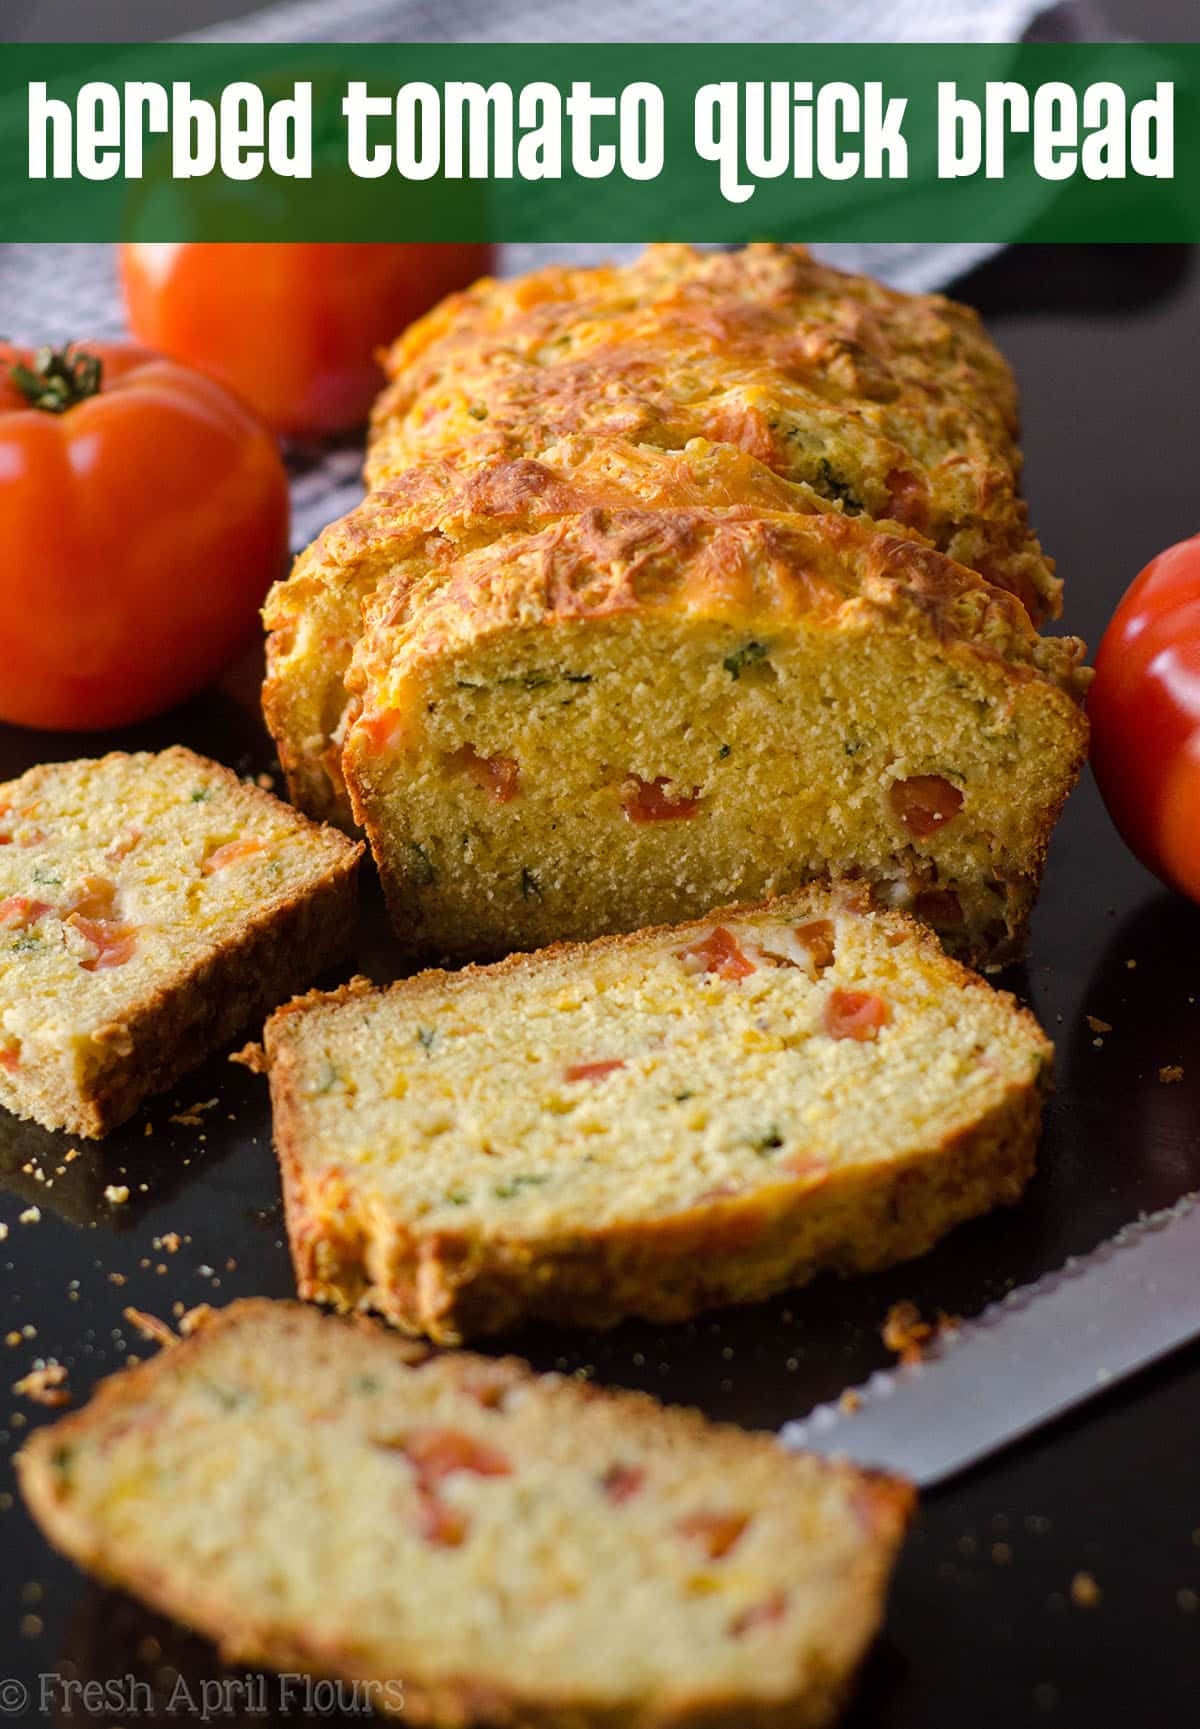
[{"x": 896, "y": 405}]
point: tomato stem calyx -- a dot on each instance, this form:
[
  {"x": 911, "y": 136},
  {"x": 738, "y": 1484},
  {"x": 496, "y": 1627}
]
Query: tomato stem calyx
[{"x": 58, "y": 379}]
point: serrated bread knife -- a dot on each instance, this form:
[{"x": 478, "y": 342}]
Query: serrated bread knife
[{"x": 1036, "y": 1353}]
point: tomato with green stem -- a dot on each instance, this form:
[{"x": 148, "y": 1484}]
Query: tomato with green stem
[{"x": 143, "y": 515}]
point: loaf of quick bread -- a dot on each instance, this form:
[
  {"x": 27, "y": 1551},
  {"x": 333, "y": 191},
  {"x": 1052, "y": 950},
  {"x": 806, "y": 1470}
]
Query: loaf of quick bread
[
  {"x": 468, "y": 1541},
  {"x": 659, "y": 551},
  {"x": 650, "y": 1124},
  {"x": 150, "y": 906}
]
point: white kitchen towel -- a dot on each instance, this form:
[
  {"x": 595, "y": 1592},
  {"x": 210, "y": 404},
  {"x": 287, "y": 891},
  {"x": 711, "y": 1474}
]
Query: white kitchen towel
[
  {"x": 53, "y": 293},
  {"x": 633, "y": 21}
]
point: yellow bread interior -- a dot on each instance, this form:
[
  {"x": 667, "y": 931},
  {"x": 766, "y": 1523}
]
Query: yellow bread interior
[
  {"x": 591, "y": 1089},
  {"x": 631, "y": 718},
  {"x": 497, "y": 1547}
]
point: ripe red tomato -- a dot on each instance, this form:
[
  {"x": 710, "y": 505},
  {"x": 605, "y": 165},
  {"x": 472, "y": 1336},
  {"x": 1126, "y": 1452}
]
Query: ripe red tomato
[
  {"x": 1145, "y": 712},
  {"x": 293, "y": 329},
  {"x": 143, "y": 515}
]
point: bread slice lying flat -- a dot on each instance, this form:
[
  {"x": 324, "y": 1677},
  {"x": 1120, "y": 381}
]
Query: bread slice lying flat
[
  {"x": 149, "y": 907},
  {"x": 634, "y": 715},
  {"x": 474, "y": 1543},
  {"x": 648, "y": 1125}
]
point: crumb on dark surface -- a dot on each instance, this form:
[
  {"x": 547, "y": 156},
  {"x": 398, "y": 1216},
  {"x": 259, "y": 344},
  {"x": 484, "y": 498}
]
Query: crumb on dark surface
[{"x": 45, "y": 1385}]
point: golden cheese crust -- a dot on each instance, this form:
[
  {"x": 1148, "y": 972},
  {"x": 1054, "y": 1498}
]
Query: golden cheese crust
[
  {"x": 896, "y": 406},
  {"x": 758, "y": 569}
]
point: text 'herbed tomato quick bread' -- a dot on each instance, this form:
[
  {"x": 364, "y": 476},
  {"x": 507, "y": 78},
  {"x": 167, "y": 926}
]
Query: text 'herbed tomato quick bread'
[
  {"x": 149, "y": 907},
  {"x": 655, "y": 551},
  {"x": 474, "y": 1543},
  {"x": 648, "y": 1125}
]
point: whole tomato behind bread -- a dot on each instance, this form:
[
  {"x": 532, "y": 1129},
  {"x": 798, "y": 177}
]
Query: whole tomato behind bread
[
  {"x": 1145, "y": 713},
  {"x": 143, "y": 515},
  {"x": 292, "y": 328}
]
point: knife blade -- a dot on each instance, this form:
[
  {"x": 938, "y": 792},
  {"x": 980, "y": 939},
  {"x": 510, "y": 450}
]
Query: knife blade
[{"x": 1036, "y": 1353}]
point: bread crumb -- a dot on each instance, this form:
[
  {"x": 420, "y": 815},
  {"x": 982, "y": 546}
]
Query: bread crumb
[
  {"x": 116, "y": 1193},
  {"x": 116, "y": 1278},
  {"x": 150, "y": 1327},
  {"x": 13, "y": 1338},
  {"x": 193, "y": 1116},
  {"x": 905, "y": 1332},
  {"x": 1001, "y": 1554},
  {"x": 30, "y": 1216},
  {"x": 1085, "y": 1593},
  {"x": 252, "y": 1057},
  {"x": 169, "y": 1241},
  {"x": 3, "y": 1230},
  {"x": 45, "y": 1386},
  {"x": 31, "y": 1626},
  {"x": 195, "y": 1318},
  {"x": 1170, "y": 1074},
  {"x": 849, "y": 1401},
  {"x": 909, "y": 1336},
  {"x": 1097, "y": 1025}
]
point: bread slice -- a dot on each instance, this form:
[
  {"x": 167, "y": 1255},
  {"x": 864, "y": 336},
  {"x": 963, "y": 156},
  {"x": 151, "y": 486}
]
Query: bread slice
[
  {"x": 406, "y": 535},
  {"x": 897, "y": 406},
  {"x": 471, "y": 1542},
  {"x": 649, "y": 1125},
  {"x": 635, "y": 715},
  {"x": 149, "y": 907}
]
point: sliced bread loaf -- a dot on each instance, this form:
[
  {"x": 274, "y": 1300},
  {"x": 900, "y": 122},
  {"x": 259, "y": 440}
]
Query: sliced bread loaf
[
  {"x": 635, "y": 715},
  {"x": 648, "y": 1125},
  {"x": 470, "y": 1542},
  {"x": 149, "y": 907},
  {"x": 897, "y": 406}
]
